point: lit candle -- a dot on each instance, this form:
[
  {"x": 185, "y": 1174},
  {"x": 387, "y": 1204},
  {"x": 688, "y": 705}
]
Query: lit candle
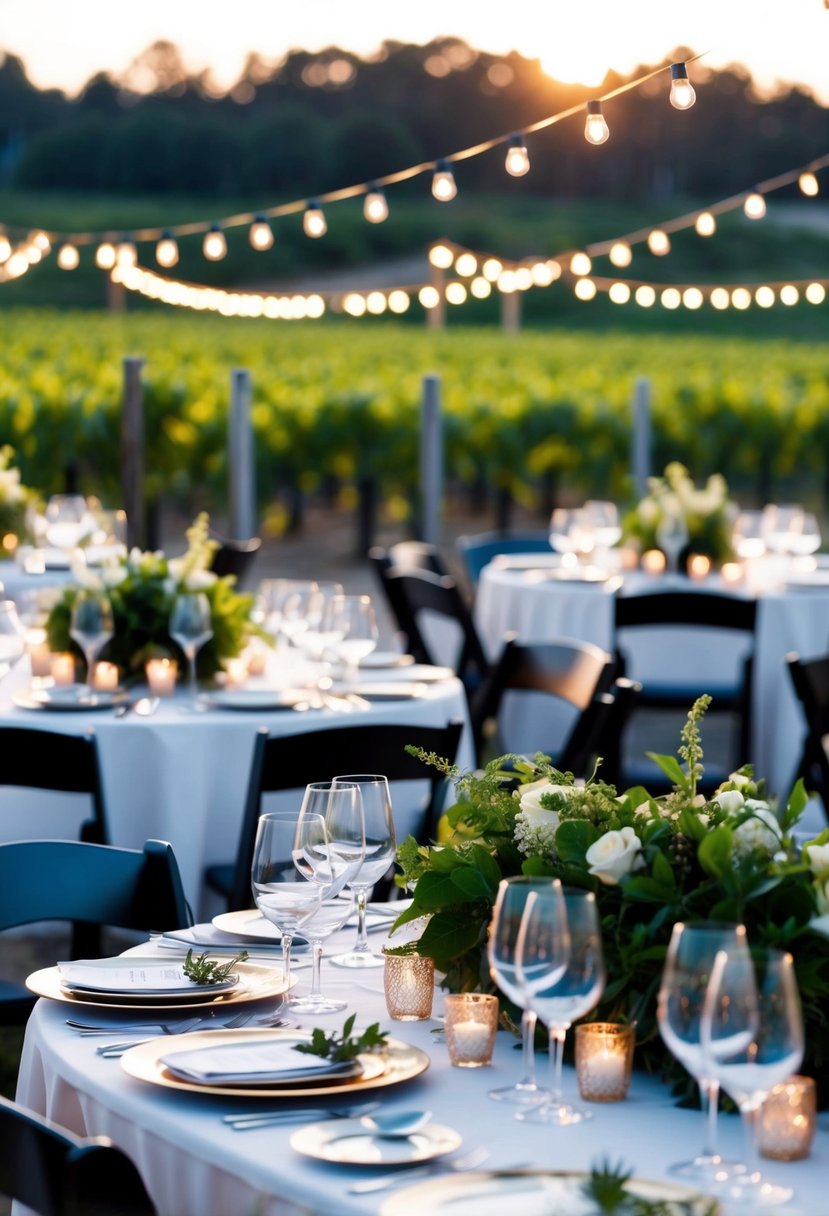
[
  {"x": 786, "y": 1120},
  {"x": 731, "y": 572},
  {"x": 471, "y": 1039},
  {"x": 409, "y": 984},
  {"x": 161, "y": 676},
  {"x": 63, "y": 668},
  {"x": 604, "y": 1057},
  {"x": 256, "y": 660},
  {"x": 653, "y": 561},
  {"x": 105, "y": 677},
  {"x": 699, "y": 567},
  {"x": 470, "y": 1023},
  {"x": 40, "y": 657},
  {"x": 236, "y": 673}
]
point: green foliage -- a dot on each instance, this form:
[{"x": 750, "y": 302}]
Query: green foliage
[
  {"x": 338, "y": 1048},
  {"x": 201, "y": 969}
]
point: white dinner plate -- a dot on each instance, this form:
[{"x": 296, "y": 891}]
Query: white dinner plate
[
  {"x": 248, "y": 925},
  {"x": 256, "y": 698},
  {"x": 532, "y": 1192},
  {"x": 385, "y": 658},
  {"x": 348, "y": 1142},
  {"x": 413, "y": 673},
  {"x": 256, "y": 982},
  {"x": 382, "y": 690},
  {"x": 104, "y": 977},
  {"x": 72, "y": 698}
]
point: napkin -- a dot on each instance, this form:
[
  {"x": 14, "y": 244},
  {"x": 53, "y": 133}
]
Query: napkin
[
  {"x": 208, "y": 937},
  {"x": 253, "y": 1064},
  {"x": 141, "y": 976}
]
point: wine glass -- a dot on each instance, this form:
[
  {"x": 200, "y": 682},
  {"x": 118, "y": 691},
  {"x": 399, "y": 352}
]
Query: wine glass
[
  {"x": 805, "y": 540},
  {"x": 560, "y": 995},
  {"x": 747, "y": 536},
  {"x": 380, "y": 852},
  {"x": 281, "y": 895},
  {"x": 67, "y": 520},
  {"x": 91, "y": 625},
  {"x": 567, "y": 532},
  {"x": 510, "y": 902},
  {"x": 780, "y": 524},
  {"x": 190, "y": 627},
  {"x": 353, "y": 631},
  {"x": 672, "y": 537},
  {"x": 752, "y": 1038},
  {"x": 690, "y": 958},
  {"x": 603, "y": 518}
]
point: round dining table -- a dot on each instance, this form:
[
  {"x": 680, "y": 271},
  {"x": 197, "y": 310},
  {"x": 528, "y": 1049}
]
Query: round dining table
[{"x": 194, "y": 1164}]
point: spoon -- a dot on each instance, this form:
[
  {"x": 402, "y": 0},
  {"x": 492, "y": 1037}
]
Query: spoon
[
  {"x": 391, "y": 1125},
  {"x": 145, "y": 706}
]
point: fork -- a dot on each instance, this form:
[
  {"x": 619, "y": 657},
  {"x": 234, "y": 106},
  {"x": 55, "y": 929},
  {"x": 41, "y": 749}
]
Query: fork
[
  {"x": 469, "y": 1161},
  {"x": 90, "y": 1029},
  {"x": 112, "y": 1050},
  {"x": 249, "y": 1122}
]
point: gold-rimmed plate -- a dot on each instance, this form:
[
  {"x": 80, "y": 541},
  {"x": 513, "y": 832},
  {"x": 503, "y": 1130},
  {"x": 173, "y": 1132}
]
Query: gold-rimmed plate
[
  {"x": 256, "y": 982},
  {"x": 349, "y": 1142},
  {"x": 70, "y": 698},
  {"x": 398, "y": 1063},
  {"x": 536, "y": 1192}
]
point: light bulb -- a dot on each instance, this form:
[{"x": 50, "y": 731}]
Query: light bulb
[
  {"x": 815, "y": 293},
  {"x": 68, "y": 257},
  {"x": 789, "y": 295},
  {"x": 705, "y": 224},
  {"x": 105, "y": 255},
  {"x": 480, "y": 287},
  {"x": 741, "y": 298},
  {"x": 376, "y": 303},
  {"x": 644, "y": 295},
  {"x": 444, "y": 188},
  {"x": 441, "y": 256},
  {"x": 659, "y": 242},
  {"x": 491, "y": 269},
  {"x": 5, "y": 246},
  {"x": 166, "y": 251},
  {"x": 126, "y": 254},
  {"x": 313, "y": 221},
  {"x": 596, "y": 130},
  {"x": 466, "y": 265},
  {"x": 682, "y": 91},
  {"x": 621, "y": 254},
  {"x": 455, "y": 293},
  {"x": 764, "y": 296},
  {"x": 261, "y": 233},
  {"x": 720, "y": 299},
  {"x": 619, "y": 293},
  {"x": 398, "y": 300},
  {"x": 517, "y": 162},
  {"x": 693, "y": 298},
  {"x": 41, "y": 241},
  {"x": 429, "y": 297},
  {"x": 670, "y": 298},
  {"x": 754, "y": 207},
  {"x": 375, "y": 207},
  {"x": 214, "y": 246},
  {"x": 585, "y": 289},
  {"x": 580, "y": 264},
  {"x": 808, "y": 184}
]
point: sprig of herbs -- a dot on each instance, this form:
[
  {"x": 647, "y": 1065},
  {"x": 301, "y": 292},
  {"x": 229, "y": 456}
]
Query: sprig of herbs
[
  {"x": 338, "y": 1048},
  {"x": 201, "y": 970},
  {"x": 607, "y": 1187}
]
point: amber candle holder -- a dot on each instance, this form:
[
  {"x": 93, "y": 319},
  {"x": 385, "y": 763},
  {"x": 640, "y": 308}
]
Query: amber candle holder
[
  {"x": 470, "y": 1023},
  {"x": 409, "y": 985},
  {"x": 786, "y": 1120},
  {"x": 604, "y": 1059}
]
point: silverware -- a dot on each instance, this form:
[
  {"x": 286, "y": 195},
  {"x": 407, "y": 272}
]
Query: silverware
[
  {"x": 87, "y": 1028},
  {"x": 469, "y": 1161},
  {"x": 144, "y": 707},
  {"x": 111, "y": 1051},
  {"x": 249, "y": 1122}
]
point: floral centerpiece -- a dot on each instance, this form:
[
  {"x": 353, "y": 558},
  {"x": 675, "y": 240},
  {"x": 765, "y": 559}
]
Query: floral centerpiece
[
  {"x": 142, "y": 587},
  {"x": 16, "y": 504},
  {"x": 706, "y": 514},
  {"x": 650, "y": 861}
]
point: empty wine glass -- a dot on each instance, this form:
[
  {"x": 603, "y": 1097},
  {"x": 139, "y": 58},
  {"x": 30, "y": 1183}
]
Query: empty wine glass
[
  {"x": 91, "y": 625},
  {"x": 559, "y": 995},
  {"x": 688, "y": 964},
  {"x": 502, "y": 945},
  {"x": 780, "y": 524},
  {"x": 752, "y": 1038},
  {"x": 379, "y": 855},
  {"x": 567, "y": 531},
  {"x": 353, "y": 631},
  {"x": 747, "y": 537},
  {"x": 805, "y": 540},
  {"x": 672, "y": 537},
  {"x": 67, "y": 520},
  {"x": 603, "y": 518},
  {"x": 282, "y": 896},
  {"x": 190, "y": 626}
]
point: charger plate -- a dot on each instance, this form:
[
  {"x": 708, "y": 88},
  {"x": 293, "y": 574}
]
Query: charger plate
[
  {"x": 536, "y": 1192},
  {"x": 349, "y": 1142},
  {"x": 256, "y": 982},
  {"x": 72, "y": 700},
  {"x": 398, "y": 1063}
]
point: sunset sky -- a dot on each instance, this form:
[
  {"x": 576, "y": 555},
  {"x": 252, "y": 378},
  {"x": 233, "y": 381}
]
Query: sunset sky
[{"x": 64, "y": 43}]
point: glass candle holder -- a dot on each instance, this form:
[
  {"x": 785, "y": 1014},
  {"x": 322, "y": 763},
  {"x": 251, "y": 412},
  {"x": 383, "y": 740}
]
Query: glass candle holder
[
  {"x": 604, "y": 1059},
  {"x": 63, "y": 668},
  {"x": 470, "y": 1023},
  {"x": 105, "y": 677},
  {"x": 409, "y": 985},
  {"x": 161, "y": 676},
  {"x": 786, "y": 1120}
]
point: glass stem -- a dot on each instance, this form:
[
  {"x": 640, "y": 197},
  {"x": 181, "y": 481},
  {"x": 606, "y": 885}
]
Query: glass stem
[
  {"x": 287, "y": 939},
  {"x": 710, "y": 1093},
  {"x": 361, "y": 945},
  {"x": 316, "y": 958},
  {"x": 528, "y": 1024},
  {"x": 557, "y": 1037},
  {"x": 192, "y": 683},
  {"x": 749, "y": 1117}
]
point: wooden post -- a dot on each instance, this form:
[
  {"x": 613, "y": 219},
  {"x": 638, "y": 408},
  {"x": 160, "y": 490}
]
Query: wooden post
[
  {"x": 511, "y": 312},
  {"x": 132, "y": 452},
  {"x": 242, "y": 469},
  {"x": 431, "y": 461},
  {"x": 641, "y": 438},
  {"x": 436, "y": 317}
]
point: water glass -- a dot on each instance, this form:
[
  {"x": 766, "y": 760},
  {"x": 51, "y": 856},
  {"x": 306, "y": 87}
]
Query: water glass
[
  {"x": 91, "y": 625},
  {"x": 190, "y": 626}
]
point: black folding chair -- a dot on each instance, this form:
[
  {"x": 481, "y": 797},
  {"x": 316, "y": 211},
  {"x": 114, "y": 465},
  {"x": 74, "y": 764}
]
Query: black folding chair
[
  {"x": 48, "y": 760},
  {"x": 292, "y": 761},
  {"x": 235, "y": 557},
  {"x": 810, "y": 678}
]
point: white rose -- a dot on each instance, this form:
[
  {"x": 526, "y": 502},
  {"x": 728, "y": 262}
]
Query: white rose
[
  {"x": 817, "y": 855},
  {"x": 822, "y": 890},
  {"x": 614, "y": 855},
  {"x": 535, "y": 815},
  {"x": 113, "y": 575},
  {"x": 761, "y": 831},
  {"x": 730, "y": 801}
]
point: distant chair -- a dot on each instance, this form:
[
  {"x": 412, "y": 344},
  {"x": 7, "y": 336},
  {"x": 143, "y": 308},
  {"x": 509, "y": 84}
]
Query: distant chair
[
  {"x": 288, "y": 762},
  {"x": 810, "y": 678},
  {"x": 93, "y": 884},
  {"x": 235, "y": 557},
  {"x": 478, "y": 551},
  {"x": 411, "y": 556},
  {"x": 55, "y": 1173}
]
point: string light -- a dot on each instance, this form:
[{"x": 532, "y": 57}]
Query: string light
[
  {"x": 480, "y": 288},
  {"x": 596, "y": 130},
  {"x": 693, "y": 298},
  {"x": 754, "y": 207},
  {"x": 585, "y": 289},
  {"x": 444, "y": 187},
  {"x": 682, "y": 95},
  {"x": 399, "y": 301},
  {"x": 429, "y": 297},
  {"x": 261, "y": 234},
  {"x": 789, "y": 295},
  {"x": 815, "y": 293},
  {"x": 491, "y": 269},
  {"x": 40, "y": 241},
  {"x": 645, "y": 295},
  {"x": 314, "y": 223},
  {"x": 808, "y": 184},
  {"x": 441, "y": 256},
  {"x": 543, "y": 273},
  {"x": 375, "y": 207},
  {"x": 764, "y": 297},
  {"x": 126, "y": 254},
  {"x": 619, "y": 293},
  {"x": 455, "y": 293},
  {"x": 517, "y": 162},
  {"x": 621, "y": 254},
  {"x": 68, "y": 257},
  {"x": 466, "y": 265},
  {"x": 670, "y": 298},
  {"x": 105, "y": 255},
  {"x": 659, "y": 242},
  {"x": 741, "y": 298},
  {"x": 166, "y": 251},
  {"x": 705, "y": 224},
  {"x": 506, "y": 282},
  {"x": 720, "y": 298},
  {"x": 214, "y": 246},
  {"x": 5, "y": 246},
  {"x": 376, "y": 303},
  {"x": 580, "y": 264}
]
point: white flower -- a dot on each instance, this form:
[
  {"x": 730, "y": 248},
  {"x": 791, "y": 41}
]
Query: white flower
[
  {"x": 614, "y": 855},
  {"x": 536, "y": 825},
  {"x": 648, "y": 511},
  {"x": 529, "y": 795},
  {"x": 703, "y": 818},
  {"x": 730, "y": 801},
  {"x": 113, "y": 573},
  {"x": 740, "y": 780},
  {"x": 822, "y": 892},
  {"x": 760, "y": 831},
  {"x": 817, "y": 855},
  {"x": 197, "y": 580}
]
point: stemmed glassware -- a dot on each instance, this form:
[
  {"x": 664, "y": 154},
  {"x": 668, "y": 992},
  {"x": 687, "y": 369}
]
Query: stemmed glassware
[
  {"x": 603, "y": 519},
  {"x": 502, "y": 947},
  {"x": 672, "y": 537},
  {"x": 560, "y": 995},
  {"x": 380, "y": 852},
  {"x": 752, "y": 1038},
  {"x": 190, "y": 626},
  {"x": 569, "y": 531},
  {"x": 67, "y": 520},
  {"x": 747, "y": 537},
  {"x": 688, "y": 965},
  {"x": 91, "y": 625},
  {"x": 353, "y": 631}
]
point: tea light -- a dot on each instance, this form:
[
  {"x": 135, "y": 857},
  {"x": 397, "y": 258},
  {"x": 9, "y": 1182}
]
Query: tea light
[
  {"x": 699, "y": 567},
  {"x": 236, "y": 673},
  {"x": 628, "y": 557},
  {"x": 604, "y": 1058},
  {"x": 731, "y": 573},
  {"x": 63, "y": 668},
  {"x": 105, "y": 677},
  {"x": 786, "y": 1120},
  {"x": 409, "y": 985},
  {"x": 40, "y": 657},
  {"x": 653, "y": 561},
  {"x": 256, "y": 660},
  {"x": 470, "y": 1022},
  {"x": 161, "y": 676}
]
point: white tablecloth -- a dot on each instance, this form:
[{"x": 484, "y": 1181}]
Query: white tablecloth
[
  {"x": 182, "y": 776},
  {"x": 193, "y": 1165},
  {"x": 539, "y": 609}
]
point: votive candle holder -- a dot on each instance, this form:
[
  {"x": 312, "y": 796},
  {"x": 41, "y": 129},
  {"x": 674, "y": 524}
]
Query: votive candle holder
[
  {"x": 63, "y": 668},
  {"x": 604, "y": 1059},
  {"x": 786, "y": 1120},
  {"x": 105, "y": 677},
  {"x": 409, "y": 985},
  {"x": 470, "y": 1023},
  {"x": 161, "y": 676}
]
